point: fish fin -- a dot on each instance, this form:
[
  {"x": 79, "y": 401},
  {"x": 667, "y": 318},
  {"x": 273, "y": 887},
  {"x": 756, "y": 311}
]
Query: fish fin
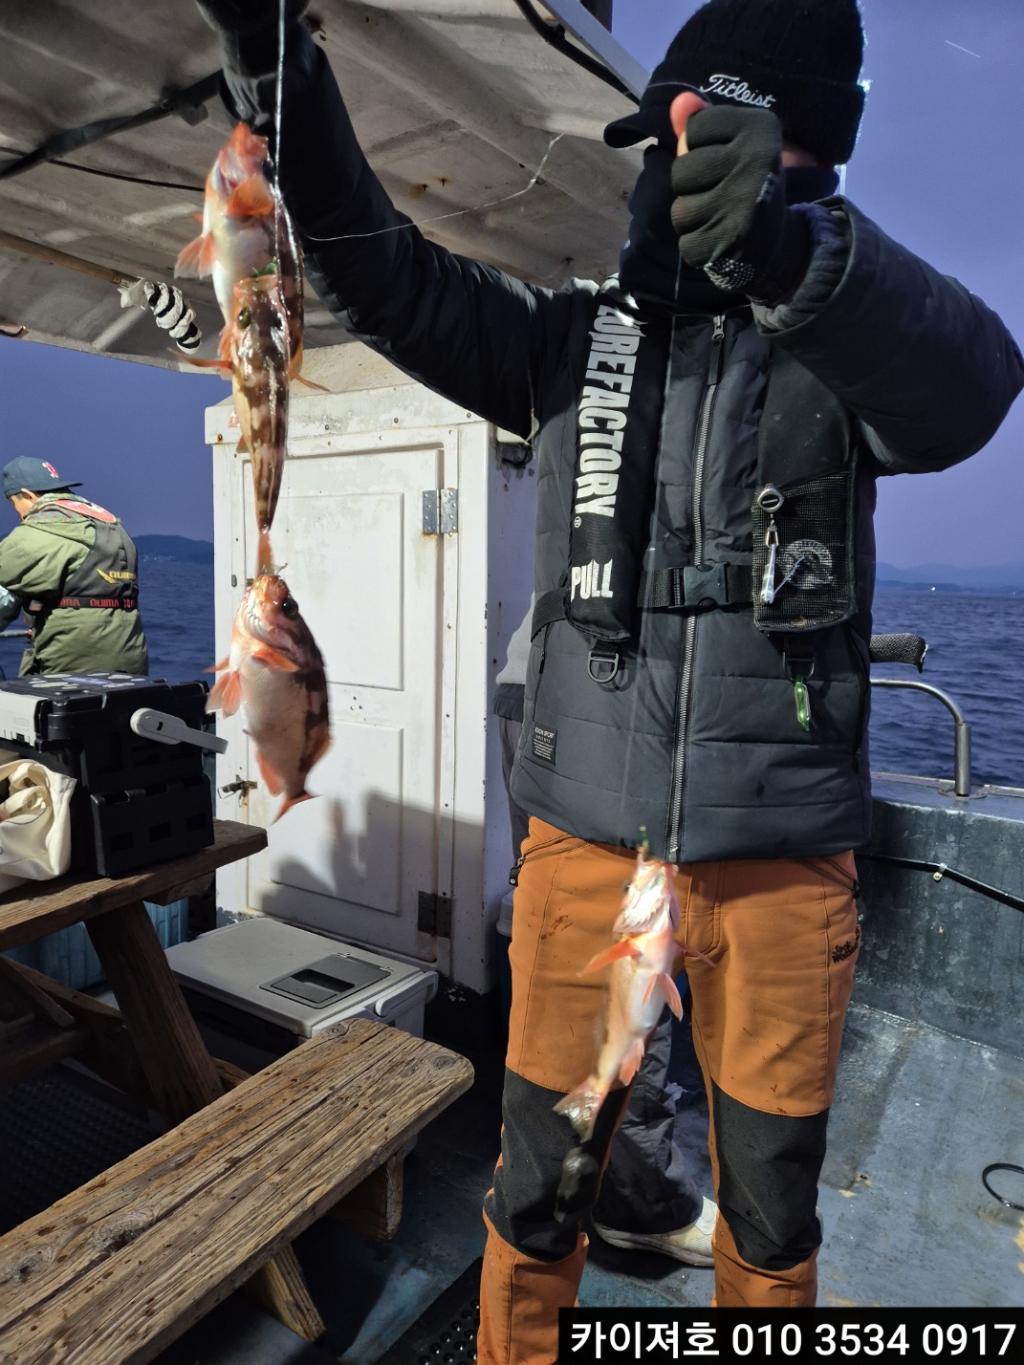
[
  {"x": 271, "y": 779},
  {"x": 631, "y": 1063},
  {"x": 310, "y": 384},
  {"x": 196, "y": 260},
  {"x": 251, "y": 199},
  {"x": 671, "y": 993},
  {"x": 224, "y": 343},
  {"x": 582, "y": 1106},
  {"x": 273, "y": 658},
  {"x": 290, "y": 801},
  {"x": 200, "y": 363},
  {"x": 198, "y": 215},
  {"x": 219, "y": 668},
  {"x": 243, "y": 444},
  {"x": 226, "y": 694},
  {"x": 626, "y": 948}
]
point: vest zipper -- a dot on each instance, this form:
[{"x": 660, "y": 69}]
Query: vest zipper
[{"x": 714, "y": 378}]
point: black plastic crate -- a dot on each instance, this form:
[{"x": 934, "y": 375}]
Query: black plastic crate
[{"x": 137, "y": 801}]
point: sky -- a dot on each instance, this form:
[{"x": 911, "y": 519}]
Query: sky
[{"x": 939, "y": 166}]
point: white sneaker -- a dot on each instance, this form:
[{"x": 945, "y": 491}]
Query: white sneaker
[{"x": 691, "y": 1245}]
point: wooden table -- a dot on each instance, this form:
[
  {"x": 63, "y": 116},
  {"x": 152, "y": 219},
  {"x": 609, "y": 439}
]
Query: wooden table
[{"x": 179, "y": 1073}]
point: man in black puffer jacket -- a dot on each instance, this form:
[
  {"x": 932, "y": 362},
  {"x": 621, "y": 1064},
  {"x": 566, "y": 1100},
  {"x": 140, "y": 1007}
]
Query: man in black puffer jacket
[{"x": 709, "y": 431}]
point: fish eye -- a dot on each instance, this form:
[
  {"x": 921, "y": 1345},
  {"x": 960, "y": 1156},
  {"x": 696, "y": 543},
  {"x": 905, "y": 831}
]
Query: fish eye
[
  {"x": 244, "y": 317},
  {"x": 290, "y": 608}
]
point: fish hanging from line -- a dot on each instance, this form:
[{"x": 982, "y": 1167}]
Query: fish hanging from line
[
  {"x": 641, "y": 984},
  {"x": 246, "y": 228},
  {"x": 257, "y": 353},
  {"x": 275, "y": 673}
]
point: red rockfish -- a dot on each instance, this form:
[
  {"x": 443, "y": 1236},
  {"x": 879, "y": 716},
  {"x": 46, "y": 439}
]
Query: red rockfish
[
  {"x": 246, "y": 228},
  {"x": 276, "y": 673},
  {"x": 641, "y": 984}
]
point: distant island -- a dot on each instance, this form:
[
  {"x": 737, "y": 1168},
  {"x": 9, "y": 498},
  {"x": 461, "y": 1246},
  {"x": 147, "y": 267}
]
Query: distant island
[
  {"x": 179, "y": 548},
  {"x": 997, "y": 578}
]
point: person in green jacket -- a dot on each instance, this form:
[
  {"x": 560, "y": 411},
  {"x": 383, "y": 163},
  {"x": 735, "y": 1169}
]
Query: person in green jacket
[{"x": 73, "y": 569}]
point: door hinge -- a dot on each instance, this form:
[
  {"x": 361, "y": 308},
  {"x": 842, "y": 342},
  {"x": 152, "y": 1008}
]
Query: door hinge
[
  {"x": 440, "y": 511},
  {"x": 434, "y": 915}
]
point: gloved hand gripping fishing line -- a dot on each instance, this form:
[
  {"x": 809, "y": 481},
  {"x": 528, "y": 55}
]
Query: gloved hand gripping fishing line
[
  {"x": 730, "y": 209},
  {"x": 248, "y": 30}
]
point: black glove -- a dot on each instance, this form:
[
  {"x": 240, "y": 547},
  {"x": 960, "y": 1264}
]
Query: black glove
[
  {"x": 730, "y": 208},
  {"x": 247, "y": 30}
]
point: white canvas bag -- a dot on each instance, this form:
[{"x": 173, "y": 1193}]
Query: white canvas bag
[{"x": 35, "y": 821}]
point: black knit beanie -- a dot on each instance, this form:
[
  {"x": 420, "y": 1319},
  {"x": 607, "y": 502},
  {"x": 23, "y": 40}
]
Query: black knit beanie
[{"x": 799, "y": 58}]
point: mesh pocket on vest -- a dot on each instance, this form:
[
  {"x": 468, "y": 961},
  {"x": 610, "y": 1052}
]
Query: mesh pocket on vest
[{"x": 813, "y": 578}]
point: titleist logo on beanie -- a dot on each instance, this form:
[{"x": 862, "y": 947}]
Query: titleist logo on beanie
[
  {"x": 732, "y": 88},
  {"x": 800, "y": 59}
]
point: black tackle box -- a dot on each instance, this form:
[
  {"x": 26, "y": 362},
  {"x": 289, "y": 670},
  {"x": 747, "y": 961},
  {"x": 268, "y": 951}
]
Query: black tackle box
[{"x": 138, "y": 801}]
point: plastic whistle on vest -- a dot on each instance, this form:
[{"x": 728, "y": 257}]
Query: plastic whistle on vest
[
  {"x": 275, "y": 672},
  {"x": 641, "y": 984}
]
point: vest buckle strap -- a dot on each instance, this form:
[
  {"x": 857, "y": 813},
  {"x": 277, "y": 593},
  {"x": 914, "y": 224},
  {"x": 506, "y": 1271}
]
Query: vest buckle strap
[{"x": 697, "y": 587}]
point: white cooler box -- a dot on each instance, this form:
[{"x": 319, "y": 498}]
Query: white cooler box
[{"x": 260, "y": 987}]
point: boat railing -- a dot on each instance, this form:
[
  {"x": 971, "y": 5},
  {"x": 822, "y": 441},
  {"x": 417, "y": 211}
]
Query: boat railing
[{"x": 912, "y": 649}]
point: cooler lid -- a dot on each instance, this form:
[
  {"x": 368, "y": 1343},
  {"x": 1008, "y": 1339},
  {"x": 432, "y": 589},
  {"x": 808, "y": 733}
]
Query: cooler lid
[{"x": 291, "y": 976}]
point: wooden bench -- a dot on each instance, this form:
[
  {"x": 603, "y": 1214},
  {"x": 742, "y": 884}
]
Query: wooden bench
[{"x": 120, "y": 1268}]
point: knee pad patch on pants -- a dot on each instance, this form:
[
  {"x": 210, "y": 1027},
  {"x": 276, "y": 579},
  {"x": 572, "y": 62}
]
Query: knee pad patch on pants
[
  {"x": 769, "y": 1166},
  {"x": 534, "y": 1145}
]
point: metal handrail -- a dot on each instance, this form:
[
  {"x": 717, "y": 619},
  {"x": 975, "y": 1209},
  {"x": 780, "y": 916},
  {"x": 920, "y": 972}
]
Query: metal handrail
[
  {"x": 962, "y": 739},
  {"x": 15, "y": 635}
]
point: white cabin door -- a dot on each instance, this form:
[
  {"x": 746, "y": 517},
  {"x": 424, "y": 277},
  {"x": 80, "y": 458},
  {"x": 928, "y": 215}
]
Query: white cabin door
[{"x": 371, "y": 586}]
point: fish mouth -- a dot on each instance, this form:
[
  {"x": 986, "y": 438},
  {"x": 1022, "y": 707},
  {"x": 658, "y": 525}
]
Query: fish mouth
[{"x": 258, "y": 606}]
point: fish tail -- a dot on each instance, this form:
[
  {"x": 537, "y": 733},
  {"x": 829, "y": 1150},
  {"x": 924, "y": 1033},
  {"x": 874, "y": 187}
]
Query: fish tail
[{"x": 582, "y": 1106}]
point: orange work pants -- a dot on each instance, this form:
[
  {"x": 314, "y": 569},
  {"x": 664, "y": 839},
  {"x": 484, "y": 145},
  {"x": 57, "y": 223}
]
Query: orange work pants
[{"x": 778, "y": 941}]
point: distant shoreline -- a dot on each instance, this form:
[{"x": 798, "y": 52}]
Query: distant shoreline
[
  {"x": 1005, "y": 582},
  {"x": 960, "y": 589}
]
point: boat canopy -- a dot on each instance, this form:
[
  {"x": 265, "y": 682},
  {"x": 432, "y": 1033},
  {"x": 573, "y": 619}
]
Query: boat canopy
[{"x": 456, "y": 103}]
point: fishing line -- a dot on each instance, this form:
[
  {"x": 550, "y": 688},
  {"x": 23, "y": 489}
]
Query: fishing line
[
  {"x": 446, "y": 217},
  {"x": 278, "y": 121}
]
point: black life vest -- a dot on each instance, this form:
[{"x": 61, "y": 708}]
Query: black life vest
[
  {"x": 108, "y": 576},
  {"x": 803, "y": 504}
]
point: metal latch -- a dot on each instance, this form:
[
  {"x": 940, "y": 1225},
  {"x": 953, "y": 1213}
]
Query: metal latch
[
  {"x": 167, "y": 729},
  {"x": 440, "y": 511},
  {"x": 434, "y": 914}
]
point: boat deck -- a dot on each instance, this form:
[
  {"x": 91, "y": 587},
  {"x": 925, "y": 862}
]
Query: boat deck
[{"x": 907, "y": 1220}]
